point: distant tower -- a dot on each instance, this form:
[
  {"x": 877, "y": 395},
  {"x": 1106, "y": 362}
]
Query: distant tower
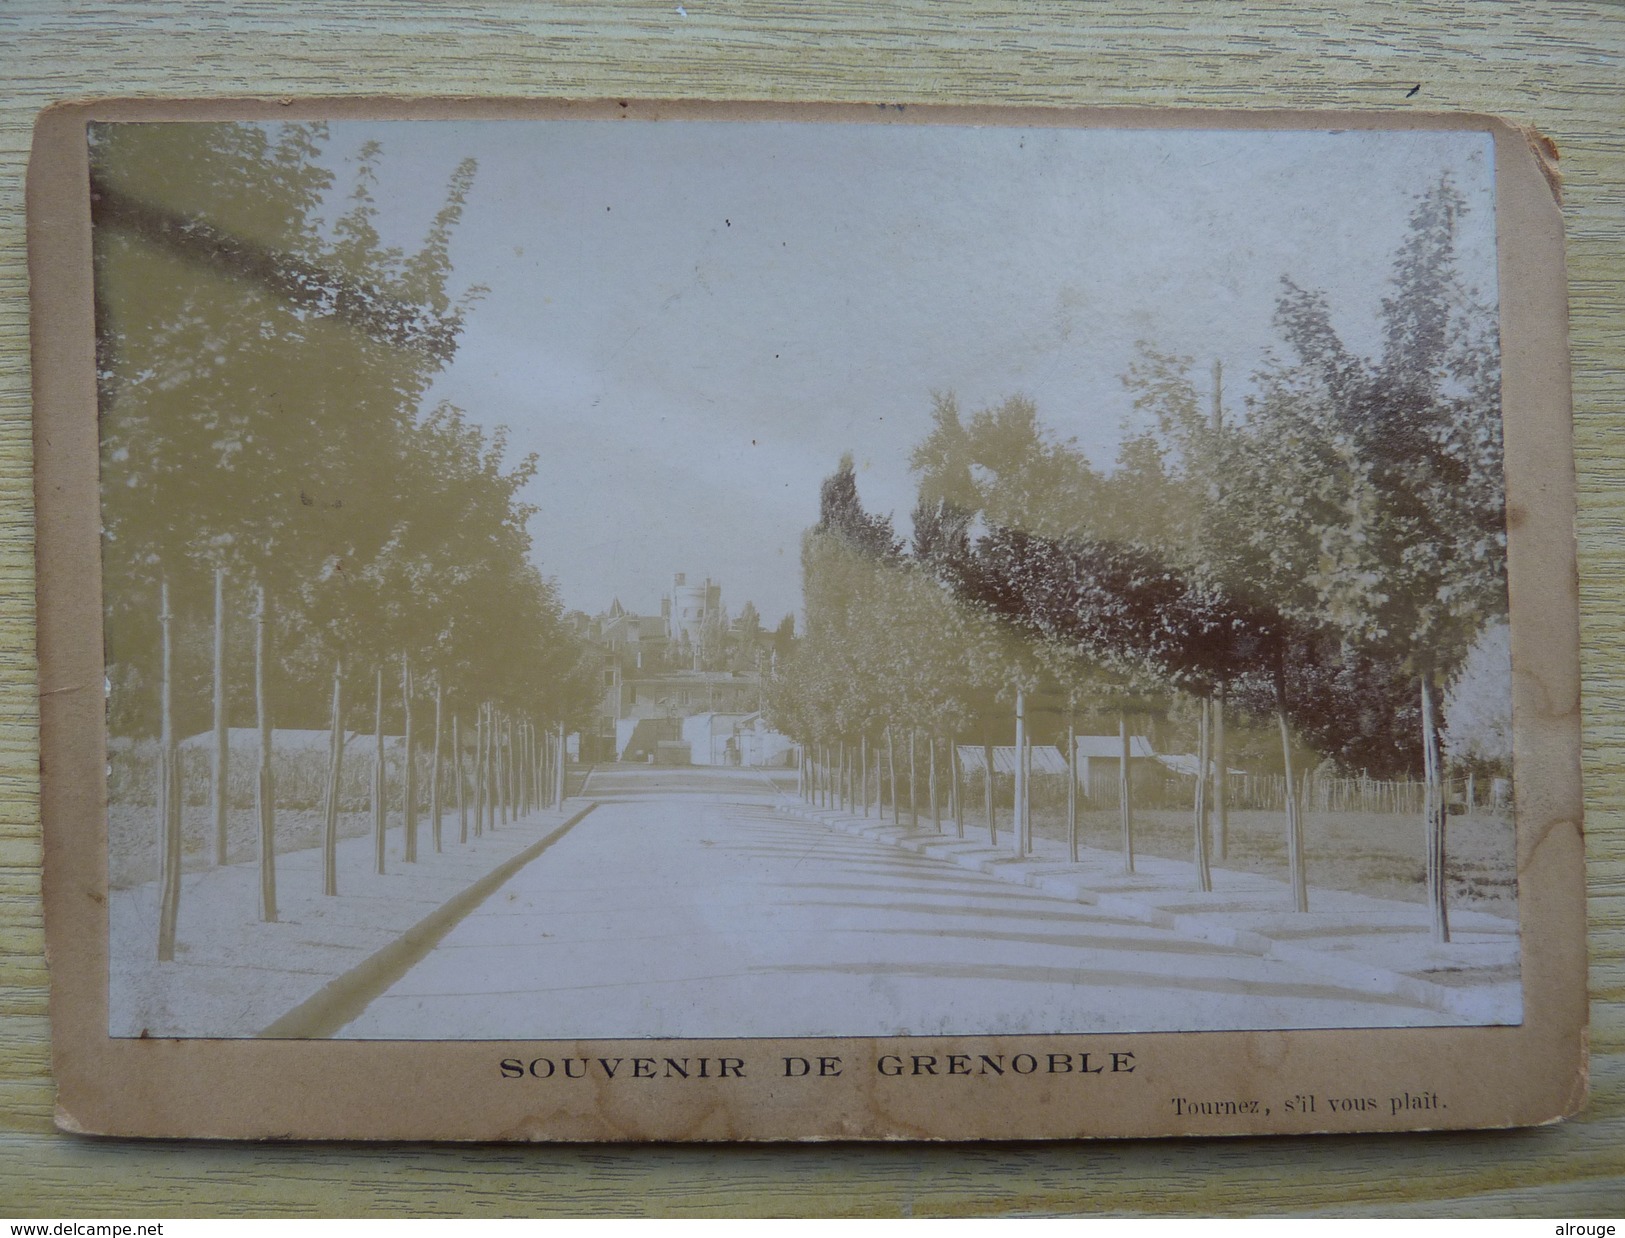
[{"x": 688, "y": 609}]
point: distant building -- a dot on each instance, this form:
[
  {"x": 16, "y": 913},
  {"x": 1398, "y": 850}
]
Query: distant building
[
  {"x": 1101, "y": 756},
  {"x": 694, "y": 619},
  {"x": 660, "y": 670},
  {"x": 1099, "y": 759}
]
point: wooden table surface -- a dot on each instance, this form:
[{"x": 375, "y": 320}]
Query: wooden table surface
[{"x": 1556, "y": 65}]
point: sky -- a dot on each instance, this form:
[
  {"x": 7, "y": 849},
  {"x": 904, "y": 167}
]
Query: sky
[{"x": 690, "y": 322}]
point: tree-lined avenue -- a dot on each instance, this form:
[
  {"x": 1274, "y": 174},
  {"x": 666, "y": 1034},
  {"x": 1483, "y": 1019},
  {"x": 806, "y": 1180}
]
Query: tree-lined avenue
[{"x": 685, "y": 906}]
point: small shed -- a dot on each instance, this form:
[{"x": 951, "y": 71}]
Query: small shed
[{"x": 1099, "y": 759}]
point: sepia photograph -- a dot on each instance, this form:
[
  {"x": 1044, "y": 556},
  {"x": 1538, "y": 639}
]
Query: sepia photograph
[{"x": 592, "y": 579}]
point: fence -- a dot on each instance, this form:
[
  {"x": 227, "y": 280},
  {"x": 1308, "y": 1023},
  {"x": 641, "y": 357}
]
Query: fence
[{"x": 962, "y": 779}]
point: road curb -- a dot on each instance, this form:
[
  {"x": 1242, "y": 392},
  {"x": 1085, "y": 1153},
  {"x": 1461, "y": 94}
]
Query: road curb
[{"x": 344, "y": 997}]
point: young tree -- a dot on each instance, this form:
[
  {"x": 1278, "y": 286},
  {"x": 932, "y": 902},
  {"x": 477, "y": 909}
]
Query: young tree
[
  {"x": 1412, "y": 566},
  {"x": 262, "y": 375},
  {"x": 1188, "y": 480},
  {"x": 1000, "y": 471},
  {"x": 251, "y": 361}
]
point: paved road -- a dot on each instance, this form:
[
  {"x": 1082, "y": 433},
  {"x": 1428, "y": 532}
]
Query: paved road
[{"x": 684, "y": 906}]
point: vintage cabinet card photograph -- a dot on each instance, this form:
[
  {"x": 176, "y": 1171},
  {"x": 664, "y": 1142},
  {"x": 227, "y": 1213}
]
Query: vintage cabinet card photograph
[{"x": 632, "y": 621}]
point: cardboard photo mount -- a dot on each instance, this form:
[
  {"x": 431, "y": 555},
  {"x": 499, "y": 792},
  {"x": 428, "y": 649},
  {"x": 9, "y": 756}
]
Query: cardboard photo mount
[{"x": 1132, "y": 1085}]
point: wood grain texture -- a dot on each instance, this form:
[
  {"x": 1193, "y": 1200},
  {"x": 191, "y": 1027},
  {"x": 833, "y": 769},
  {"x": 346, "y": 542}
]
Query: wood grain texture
[{"x": 1556, "y": 66}]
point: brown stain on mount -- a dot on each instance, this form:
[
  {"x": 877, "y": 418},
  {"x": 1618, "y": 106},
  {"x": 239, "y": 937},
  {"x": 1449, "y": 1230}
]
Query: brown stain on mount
[{"x": 1546, "y": 159}]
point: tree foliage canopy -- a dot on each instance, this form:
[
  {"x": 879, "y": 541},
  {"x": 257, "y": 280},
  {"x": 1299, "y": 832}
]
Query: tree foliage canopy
[
  {"x": 1313, "y": 549},
  {"x": 263, "y": 370}
]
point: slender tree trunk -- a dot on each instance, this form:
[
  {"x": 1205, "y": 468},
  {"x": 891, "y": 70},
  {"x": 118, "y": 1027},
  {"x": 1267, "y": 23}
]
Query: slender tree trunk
[
  {"x": 564, "y": 787},
  {"x": 493, "y": 764},
  {"x": 493, "y": 754},
  {"x": 543, "y": 766},
  {"x": 1027, "y": 799},
  {"x": 863, "y": 778},
  {"x": 488, "y": 771},
  {"x": 1204, "y": 868},
  {"x": 931, "y": 782},
  {"x": 516, "y": 767},
  {"x": 954, "y": 774},
  {"x": 487, "y": 821},
  {"x": 1297, "y": 869},
  {"x": 510, "y": 767},
  {"x": 457, "y": 765},
  {"x": 477, "y": 773},
  {"x": 1125, "y": 790},
  {"x": 914, "y": 783},
  {"x": 498, "y": 770},
  {"x": 379, "y": 822},
  {"x": 409, "y": 777},
  {"x": 493, "y": 770},
  {"x": 266, "y": 785},
  {"x": 987, "y": 795},
  {"x": 335, "y": 772},
  {"x": 521, "y": 770},
  {"x": 169, "y": 793},
  {"x": 891, "y": 768},
  {"x": 1023, "y": 841},
  {"x": 1071, "y": 787},
  {"x": 1436, "y": 817},
  {"x": 545, "y": 743},
  {"x": 880, "y": 784},
  {"x": 219, "y": 791},
  {"x": 435, "y": 806},
  {"x": 1221, "y": 775}
]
